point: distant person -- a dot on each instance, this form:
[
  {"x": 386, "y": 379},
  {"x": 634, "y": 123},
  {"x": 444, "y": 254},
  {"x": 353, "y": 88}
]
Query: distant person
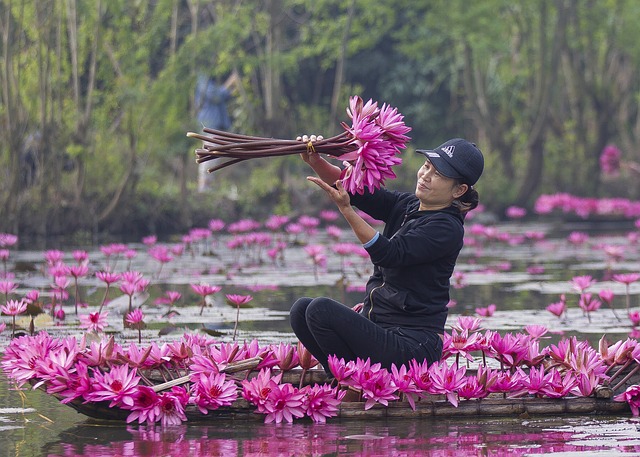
[{"x": 211, "y": 101}]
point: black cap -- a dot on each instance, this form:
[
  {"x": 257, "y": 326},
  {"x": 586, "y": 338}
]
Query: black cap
[{"x": 457, "y": 159}]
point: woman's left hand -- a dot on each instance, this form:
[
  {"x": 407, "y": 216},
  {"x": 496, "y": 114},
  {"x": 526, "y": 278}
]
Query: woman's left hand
[{"x": 337, "y": 193}]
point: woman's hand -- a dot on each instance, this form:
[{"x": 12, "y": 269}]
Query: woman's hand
[{"x": 337, "y": 193}]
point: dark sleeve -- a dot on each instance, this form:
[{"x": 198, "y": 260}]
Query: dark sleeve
[
  {"x": 422, "y": 242},
  {"x": 379, "y": 204}
]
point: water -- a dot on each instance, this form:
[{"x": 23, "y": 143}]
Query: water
[
  {"x": 33, "y": 424},
  {"x": 36, "y": 425}
]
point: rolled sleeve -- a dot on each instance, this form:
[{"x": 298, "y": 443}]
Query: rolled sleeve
[{"x": 371, "y": 241}]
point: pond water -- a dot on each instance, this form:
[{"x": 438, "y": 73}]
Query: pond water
[{"x": 521, "y": 268}]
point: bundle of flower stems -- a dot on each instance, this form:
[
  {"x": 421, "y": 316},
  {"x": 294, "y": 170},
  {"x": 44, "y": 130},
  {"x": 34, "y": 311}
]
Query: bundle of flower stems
[
  {"x": 219, "y": 144},
  {"x": 368, "y": 147}
]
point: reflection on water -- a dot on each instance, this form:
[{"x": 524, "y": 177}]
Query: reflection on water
[{"x": 407, "y": 438}]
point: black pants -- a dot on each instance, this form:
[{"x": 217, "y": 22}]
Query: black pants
[{"x": 326, "y": 327}]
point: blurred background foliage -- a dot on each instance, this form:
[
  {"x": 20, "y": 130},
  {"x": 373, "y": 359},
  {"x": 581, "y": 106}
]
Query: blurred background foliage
[{"x": 96, "y": 97}]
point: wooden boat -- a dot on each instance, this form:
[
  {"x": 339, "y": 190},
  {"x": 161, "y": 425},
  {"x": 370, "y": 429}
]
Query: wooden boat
[{"x": 495, "y": 405}]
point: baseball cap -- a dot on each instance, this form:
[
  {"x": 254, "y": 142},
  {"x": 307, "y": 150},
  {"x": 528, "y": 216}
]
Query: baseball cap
[{"x": 457, "y": 159}]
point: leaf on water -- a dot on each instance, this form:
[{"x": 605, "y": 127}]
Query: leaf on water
[
  {"x": 33, "y": 309},
  {"x": 211, "y": 332},
  {"x": 166, "y": 330}
]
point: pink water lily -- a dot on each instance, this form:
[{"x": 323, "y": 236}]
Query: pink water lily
[
  {"x": 322, "y": 401},
  {"x": 581, "y": 283},
  {"x": 284, "y": 403},
  {"x": 258, "y": 389},
  {"x": 378, "y": 134},
  {"x": 627, "y": 279},
  {"x": 213, "y": 391},
  {"x": 405, "y": 384},
  {"x": 14, "y": 307},
  {"x": 286, "y": 356},
  {"x": 117, "y": 386},
  {"x": 146, "y": 406},
  {"x": 204, "y": 290},
  {"x": 172, "y": 406},
  {"x": 446, "y": 380},
  {"x": 558, "y": 308},
  {"x": 94, "y": 322},
  {"x": 632, "y": 397},
  {"x": 341, "y": 370}
]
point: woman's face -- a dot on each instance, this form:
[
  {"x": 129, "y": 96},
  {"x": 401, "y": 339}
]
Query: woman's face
[{"x": 434, "y": 190}]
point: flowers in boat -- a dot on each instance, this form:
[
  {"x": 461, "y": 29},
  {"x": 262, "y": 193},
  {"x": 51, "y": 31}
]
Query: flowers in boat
[
  {"x": 149, "y": 384},
  {"x": 369, "y": 146}
]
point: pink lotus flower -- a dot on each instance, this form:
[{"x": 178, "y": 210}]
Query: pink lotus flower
[
  {"x": 506, "y": 382},
  {"x": 14, "y": 307},
  {"x": 238, "y": 301},
  {"x": 161, "y": 254},
  {"x": 472, "y": 389},
  {"x": 589, "y": 304},
  {"x": 322, "y": 401},
  {"x": 286, "y": 356},
  {"x": 375, "y": 383},
  {"x": 118, "y": 386},
  {"x": 581, "y": 283},
  {"x": 510, "y": 350},
  {"x": 459, "y": 343},
  {"x": 53, "y": 256},
  {"x": 515, "y": 212},
  {"x": 486, "y": 312},
  {"x": 146, "y": 406},
  {"x": 578, "y": 238},
  {"x": 21, "y": 357},
  {"x": 536, "y": 331},
  {"x": 253, "y": 349},
  {"x": 69, "y": 383},
  {"x": 404, "y": 382},
  {"x": 627, "y": 279},
  {"x": 558, "y": 308},
  {"x": 585, "y": 384},
  {"x": 446, "y": 380},
  {"x": 214, "y": 391},
  {"x": 632, "y": 397},
  {"x": 469, "y": 323},
  {"x": 204, "y": 290},
  {"x": 560, "y": 385},
  {"x": 7, "y": 239},
  {"x": 284, "y": 403},
  {"x": 107, "y": 277},
  {"x": 135, "y": 317},
  {"x": 7, "y": 287},
  {"x": 340, "y": 369},
  {"x": 216, "y": 225},
  {"x": 172, "y": 406},
  {"x": 149, "y": 240},
  {"x": 379, "y": 135},
  {"x": 420, "y": 374},
  {"x": 257, "y": 390},
  {"x": 94, "y": 322}
]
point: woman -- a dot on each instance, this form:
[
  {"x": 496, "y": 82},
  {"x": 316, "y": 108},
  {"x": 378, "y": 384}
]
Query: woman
[{"x": 405, "y": 307}]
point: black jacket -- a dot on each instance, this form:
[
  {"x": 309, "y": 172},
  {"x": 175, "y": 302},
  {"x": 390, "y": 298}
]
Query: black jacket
[{"x": 413, "y": 260}]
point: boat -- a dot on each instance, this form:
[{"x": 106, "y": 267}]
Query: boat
[
  {"x": 570, "y": 378},
  {"x": 494, "y": 405}
]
